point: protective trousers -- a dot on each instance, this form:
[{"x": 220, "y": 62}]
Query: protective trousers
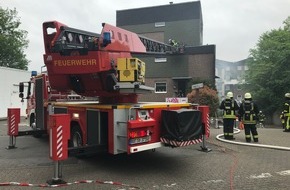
[
  {"x": 287, "y": 123},
  {"x": 251, "y": 128},
  {"x": 229, "y": 128}
]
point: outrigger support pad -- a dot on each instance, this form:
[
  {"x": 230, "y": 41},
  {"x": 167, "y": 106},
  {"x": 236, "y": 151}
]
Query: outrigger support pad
[
  {"x": 12, "y": 143},
  {"x": 56, "y": 180},
  {"x": 203, "y": 146}
]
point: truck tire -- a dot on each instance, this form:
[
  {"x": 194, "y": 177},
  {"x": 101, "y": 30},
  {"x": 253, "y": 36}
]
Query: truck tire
[{"x": 76, "y": 137}]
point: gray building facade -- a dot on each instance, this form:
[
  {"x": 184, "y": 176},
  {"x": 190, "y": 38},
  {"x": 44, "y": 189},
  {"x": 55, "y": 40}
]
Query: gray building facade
[
  {"x": 181, "y": 22},
  {"x": 172, "y": 74},
  {"x": 231, "y": 77}
]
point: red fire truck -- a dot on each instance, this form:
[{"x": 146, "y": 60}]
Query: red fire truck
[{"x": 94, "y": 78}]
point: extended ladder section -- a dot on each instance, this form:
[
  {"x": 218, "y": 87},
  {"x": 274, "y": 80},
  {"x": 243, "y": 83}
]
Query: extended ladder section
[
  {"x": 67, "y": 40},
  {"x": 153, "y": 46}
]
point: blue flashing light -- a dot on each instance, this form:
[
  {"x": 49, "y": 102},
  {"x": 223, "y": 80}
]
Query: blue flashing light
[
  {"x": 106, "y": 38},
  {"x": 33, "y": 73}
]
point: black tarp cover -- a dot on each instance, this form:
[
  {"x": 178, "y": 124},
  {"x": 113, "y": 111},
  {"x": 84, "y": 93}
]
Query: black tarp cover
[{"x": 181, "y": 125}]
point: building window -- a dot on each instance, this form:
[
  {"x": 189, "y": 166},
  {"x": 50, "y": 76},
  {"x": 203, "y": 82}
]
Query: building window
[
  {"x": 227, "y": 88},
  {"x": 227, "y": 76},
  {"x": 119, "y": 36},
  {"x": 159, "y": 24},
  {"x": 126, "y": 38},
  {"x": 112, "y": 34},
  {"x": 160, "y": 87},
  {"x": 160, "y": 59}
]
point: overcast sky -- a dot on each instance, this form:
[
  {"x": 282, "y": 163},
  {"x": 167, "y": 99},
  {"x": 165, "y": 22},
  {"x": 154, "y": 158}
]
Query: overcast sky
[{"x": 234, "y": 26}]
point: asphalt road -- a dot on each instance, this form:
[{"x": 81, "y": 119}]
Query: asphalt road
[{"x": 227, "y": 166}]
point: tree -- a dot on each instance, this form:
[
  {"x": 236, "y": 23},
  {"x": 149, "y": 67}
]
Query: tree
[
  {"x": 268, "y": 76},
  {"x": 12, "y": 41}
]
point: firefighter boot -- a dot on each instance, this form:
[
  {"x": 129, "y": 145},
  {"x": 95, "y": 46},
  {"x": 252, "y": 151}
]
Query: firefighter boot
[
  {"x": 248, "y": 138},
  {"x": 255, "y": 137},
  {"x": 255, "y": 134},
  {"x": 226, "y": 136},
  {"x": 231, "y": 137}
]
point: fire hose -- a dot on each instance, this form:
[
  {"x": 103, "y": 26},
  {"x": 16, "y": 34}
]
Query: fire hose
[{"x": 236, "y": 131}]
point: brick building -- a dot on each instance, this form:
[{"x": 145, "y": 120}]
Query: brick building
[{"x": 172, "y": 75}]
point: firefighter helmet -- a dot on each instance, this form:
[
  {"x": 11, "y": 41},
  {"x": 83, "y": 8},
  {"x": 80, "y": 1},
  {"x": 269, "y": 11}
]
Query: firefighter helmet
[
  {"x": 230, "y": 95},
  {"x": 248, "y": 96},
  {"x": 287, "y": 95}
]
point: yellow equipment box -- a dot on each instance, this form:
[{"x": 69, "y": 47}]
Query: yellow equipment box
[{"x": 131, "y": 70}]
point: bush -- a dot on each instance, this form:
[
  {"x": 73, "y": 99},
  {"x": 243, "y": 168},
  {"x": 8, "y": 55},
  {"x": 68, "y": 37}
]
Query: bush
[{"x": 205, "y": 96}]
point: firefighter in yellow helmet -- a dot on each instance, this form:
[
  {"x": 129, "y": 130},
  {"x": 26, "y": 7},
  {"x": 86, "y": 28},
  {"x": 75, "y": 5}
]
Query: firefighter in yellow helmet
[
  {"x": 229, "y": 106},
  {"x": 248, "y": 114},
  {"x": 173, "y": 43},
  {"x": 286, "y": 113}
]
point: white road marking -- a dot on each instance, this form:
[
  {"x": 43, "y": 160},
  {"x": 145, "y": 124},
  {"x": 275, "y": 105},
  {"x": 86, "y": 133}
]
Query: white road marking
[
  {"x": 171, "y": 185},
  {"x": 263, "y": 175},
  {"x": 284, "y": 173},
  {"x": 214, "y": 181}
]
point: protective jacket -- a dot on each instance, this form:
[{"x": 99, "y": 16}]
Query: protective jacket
[
  {"x": 248, "y": 112},
  {"x": 287, "y": 108},
  {"x": 286, "y": 114},
  {"x": 229, "y": 106}
]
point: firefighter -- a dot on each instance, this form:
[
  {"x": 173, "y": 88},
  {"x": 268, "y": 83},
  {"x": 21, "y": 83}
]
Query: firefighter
[
  {"x": 282, "y": 118},
  {"x": 173, "y": 43},
  {"x": 229, "y": 106},
  {"x": 261, "y": 119},
  {"x": 248, "y": 114},
  {"x": 286, "y": 113}
]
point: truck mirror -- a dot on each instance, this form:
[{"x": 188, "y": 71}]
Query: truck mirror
[
  {"x": 21, "y": 87},
  {"x": 20, "y": 95},
  {"x": 28, "y": 90}
]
